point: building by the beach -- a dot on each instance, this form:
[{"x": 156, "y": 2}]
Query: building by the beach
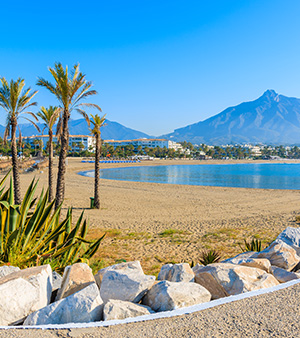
[{"x": 87, "y": 142}]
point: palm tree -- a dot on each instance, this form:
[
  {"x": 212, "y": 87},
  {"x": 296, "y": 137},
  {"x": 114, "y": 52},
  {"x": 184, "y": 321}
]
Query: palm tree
[
  {"x": 16, "y": 101},
  {"x": 70, "y": 88},
  {"x": 97, "y": 123},
  {"x": 49, "y": 117}
]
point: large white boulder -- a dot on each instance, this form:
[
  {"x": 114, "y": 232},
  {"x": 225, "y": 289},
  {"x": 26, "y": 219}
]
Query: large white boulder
[
  {"x": 167, "y": 296},
  {"x": 23, "y": 292},
  {"x": 279, "y": 254},
  {"x": 260, "y": 263},
  {"x": 7, "y": 269},
  {"x": 291, "y": 236},
  {"x": 83, "y": 306},
  {"x": 119, "y": 309},
  {"x": 176, "y": 273},
  {"x": 124, "y": 281},
  {"x": 236, "y": 279},
  {"x": 282, "y": 275},
  {"x": 75, "y": 277}
]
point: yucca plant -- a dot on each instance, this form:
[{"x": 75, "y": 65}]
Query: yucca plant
[
  {"x": 254, "y": 245},
  {"x": 209, "y": 257},
  {"x": 32, "y": 233}
]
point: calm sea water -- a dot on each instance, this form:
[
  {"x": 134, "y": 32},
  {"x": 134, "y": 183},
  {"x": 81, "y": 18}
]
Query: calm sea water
[{"x": 263, "y": 176}]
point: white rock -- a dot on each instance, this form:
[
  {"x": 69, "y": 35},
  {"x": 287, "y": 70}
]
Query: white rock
[
  {"x": 176, "y": 273},
  {"x": 76, "y": 277},
  {"x": 56, "y": 281},
  {"x": 279, "y": 254},
  {"x": 243, "y": 255},
  {"x": 167, "y": 296},
  {"x": 282, "y": 275},
  {"x": 83, "y": 306},
  {"x": 259, "y": 263},
  {"x": 236, "y": 279},
  {"x": 119, "y": 309},
  {"x": 23, "y": 292},
  {"x": 291, "y": 236},
  {"x": 125, "y": 281},
  {"x": 7, "y": 269}
]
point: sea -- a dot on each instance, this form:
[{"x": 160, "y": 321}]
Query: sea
[{"x": 249, "y": 175}]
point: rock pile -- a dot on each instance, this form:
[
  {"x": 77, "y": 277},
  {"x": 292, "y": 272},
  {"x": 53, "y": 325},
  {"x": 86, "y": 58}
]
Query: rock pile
[{"x": 38, "y": 296}]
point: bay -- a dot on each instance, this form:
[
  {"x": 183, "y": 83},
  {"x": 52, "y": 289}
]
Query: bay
[{"x": 258, "y": 175}]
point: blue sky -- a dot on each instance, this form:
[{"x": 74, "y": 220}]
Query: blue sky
[{"x": 157, "y": 65}]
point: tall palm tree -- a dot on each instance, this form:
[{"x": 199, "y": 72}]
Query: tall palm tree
[
  {"x": 16, "y": 101},
  {"x": 70, "y": 88},
  {"x": 97, "y": 122},
  {"x": 49, "y": 117}
]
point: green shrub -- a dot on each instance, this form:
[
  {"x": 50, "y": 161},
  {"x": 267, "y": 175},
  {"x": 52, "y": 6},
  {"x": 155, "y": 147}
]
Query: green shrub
[
  {"x": 209, "y": 257},
  {"x": 254, "y": 245},
  {"x": 33, "y": 234}
]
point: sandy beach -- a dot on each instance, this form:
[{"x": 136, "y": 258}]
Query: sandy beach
[{"x": 160, "y": 223}]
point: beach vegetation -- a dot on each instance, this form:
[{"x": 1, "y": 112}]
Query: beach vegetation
[
  {"x": 16, "y": 102},
  {"x": 253, "y": 245},
  {"x": 170, "y": 232},
  {"x": 97, "y": 122},
  {"x": 70, "y": 88},
  {"x": 32, "y": 233},
  {"x": 209, "y": 257},
  {"x": 49, "y": 117}
]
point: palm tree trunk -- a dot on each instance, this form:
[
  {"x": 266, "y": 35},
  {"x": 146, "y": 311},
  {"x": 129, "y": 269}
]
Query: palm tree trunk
[
  {"x": 97, "y": 173},
  {"x": 60, "y": 187},
  {"x": 14, "y": 155},
  {"x": 50, "y": 172}
]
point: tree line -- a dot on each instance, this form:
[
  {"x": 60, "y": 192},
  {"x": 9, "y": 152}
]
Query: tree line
[{"x": 71, "y": 89}]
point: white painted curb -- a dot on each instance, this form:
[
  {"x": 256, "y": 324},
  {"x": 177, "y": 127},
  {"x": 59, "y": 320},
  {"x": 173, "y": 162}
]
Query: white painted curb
[{"x": 165, "y": 314}]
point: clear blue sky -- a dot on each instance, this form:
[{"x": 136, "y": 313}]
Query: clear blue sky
[{"x": 157, "y": 65}]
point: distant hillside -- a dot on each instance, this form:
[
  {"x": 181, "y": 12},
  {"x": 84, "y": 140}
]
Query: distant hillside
[
  {"x": 112, "y": 130},
  {"x": 271, "y": 119}
]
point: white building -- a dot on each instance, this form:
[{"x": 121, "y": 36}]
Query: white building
[
  {"x": 146, "y": 143},
  {"x": 76, "y": 142}
]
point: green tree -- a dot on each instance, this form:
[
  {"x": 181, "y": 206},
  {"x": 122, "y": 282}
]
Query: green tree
[
  {"x": 16, "y": 101},
  {"x": 49, "y": 117},
  {"x": 70, "y": 89},
  {"x": 97, "y": 122}
]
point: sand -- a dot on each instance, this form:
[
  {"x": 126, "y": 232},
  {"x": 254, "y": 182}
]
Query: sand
[{"x": 159, "y": 223}]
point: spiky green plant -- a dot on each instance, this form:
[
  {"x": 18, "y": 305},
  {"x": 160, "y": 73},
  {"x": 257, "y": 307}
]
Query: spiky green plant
[
  {"x": 209, "y": 257},
  {"x": 32, "y": 233},
  {"x": 254, "y": 245}
]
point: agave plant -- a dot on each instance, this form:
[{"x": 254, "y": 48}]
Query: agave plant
[
  {"x": 32, "y": 233},
  {"x": 254, "y": 245},
  {"x": 209, "y": 257}
]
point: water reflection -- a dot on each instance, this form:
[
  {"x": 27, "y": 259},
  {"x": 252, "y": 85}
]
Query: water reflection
[{"x": 267, "y": 176}]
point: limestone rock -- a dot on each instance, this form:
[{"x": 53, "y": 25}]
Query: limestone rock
[
  {"x": 243, "y": 255},
  {"x": 236, "y": 279},
  {"x": 282, "y": 275},
  {"x": 125, "y": 281},
  {"x": 176, "y": 273},
  {"x": 279, "y": 254},
  {"x": 167, "y": 296},
  {"x": 56, "y": 281},
  {"x": 83, "y": 306},
  {"x": 23, "y": 292},
  {"x": 207, "y": 280},
  {"x": 291, "y": 236},
  {"x": 119, "y": 309},
  {"x": 76, "y": 277},
  {"x": 197, "y": 267},
  {"x": 7, "y": 269},
  {"x": 260, "y": 263}
]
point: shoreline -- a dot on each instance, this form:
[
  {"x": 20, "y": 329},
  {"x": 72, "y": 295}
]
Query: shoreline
[{"x": 137, "y": 218}]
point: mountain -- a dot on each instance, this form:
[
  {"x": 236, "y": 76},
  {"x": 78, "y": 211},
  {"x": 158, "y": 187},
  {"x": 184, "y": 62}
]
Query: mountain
[
  {"x": 112, "y": 130},
  {"x": 270, "y": 119}
]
